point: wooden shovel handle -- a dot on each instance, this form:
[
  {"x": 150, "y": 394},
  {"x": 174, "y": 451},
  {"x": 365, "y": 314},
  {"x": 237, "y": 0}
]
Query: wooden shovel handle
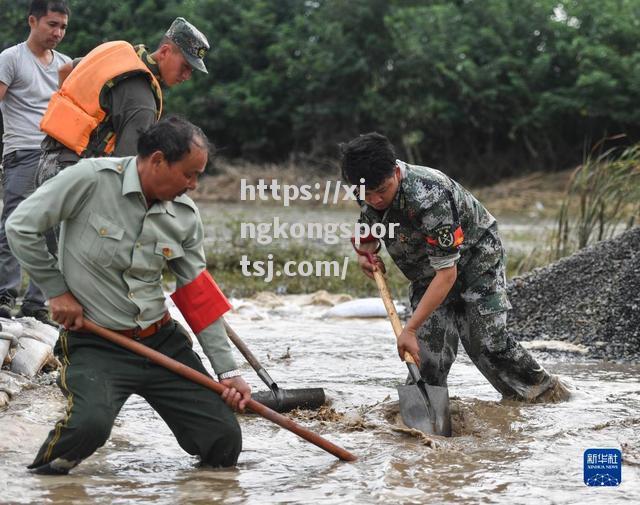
[
  {"x": 388, "y": 302},
  {"x": 382, "y": 288},
  {"x": 391, "y": 309},
  {"x": 409, "y": 359},
  {"x": 193, "y": 375}
]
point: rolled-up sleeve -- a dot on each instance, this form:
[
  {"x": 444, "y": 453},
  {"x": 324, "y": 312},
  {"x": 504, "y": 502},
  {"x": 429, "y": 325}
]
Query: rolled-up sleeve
[{"x": 7, "y": 66}]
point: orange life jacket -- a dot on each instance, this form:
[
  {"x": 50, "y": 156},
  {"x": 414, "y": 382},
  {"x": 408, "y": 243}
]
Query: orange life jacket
[{"x": 74, "y": 111}]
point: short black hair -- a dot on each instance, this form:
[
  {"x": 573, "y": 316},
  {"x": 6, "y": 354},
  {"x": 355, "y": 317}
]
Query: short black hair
[
  {"x": 40, "y": 8},
  {"x": 369, "y": 156},
  {"x": 173, "y": 136},
  {"x": 166, "y": 40}
]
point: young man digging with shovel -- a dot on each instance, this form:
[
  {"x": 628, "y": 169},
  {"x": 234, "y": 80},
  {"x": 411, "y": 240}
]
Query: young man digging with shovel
[{"x": 447, "y": 244}]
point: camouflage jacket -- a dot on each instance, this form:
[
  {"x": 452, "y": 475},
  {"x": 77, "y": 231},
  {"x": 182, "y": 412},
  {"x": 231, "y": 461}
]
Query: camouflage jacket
[{"x": 441, "y": 224}]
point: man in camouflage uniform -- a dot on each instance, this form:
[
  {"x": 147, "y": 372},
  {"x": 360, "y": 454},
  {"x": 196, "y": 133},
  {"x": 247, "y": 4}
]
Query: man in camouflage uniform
[{"x": 447, "y": 244}]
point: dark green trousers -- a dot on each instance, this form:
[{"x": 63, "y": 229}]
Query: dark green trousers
[{"x": 98, "y": 376}]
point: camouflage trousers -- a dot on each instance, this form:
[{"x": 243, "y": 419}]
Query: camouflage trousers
[{"x": 502, "y": 360}]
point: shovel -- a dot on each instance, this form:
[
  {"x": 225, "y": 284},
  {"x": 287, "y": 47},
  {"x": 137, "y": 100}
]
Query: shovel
[
  {"x": 193, "y": 375},
  {"x": 422, "y": 407},
  {"x": 280, "y": 400}
]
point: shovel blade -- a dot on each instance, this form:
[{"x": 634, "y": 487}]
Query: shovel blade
[
  {"x": 439, "y": 400},
  {"x": 426, "y": 409},
  {"x": 414, "y": 409},
  {"x": 286, "y": 400}
]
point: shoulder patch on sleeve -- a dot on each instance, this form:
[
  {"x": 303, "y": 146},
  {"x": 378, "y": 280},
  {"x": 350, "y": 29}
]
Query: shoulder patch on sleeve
[{"x": 446, "y": 238}]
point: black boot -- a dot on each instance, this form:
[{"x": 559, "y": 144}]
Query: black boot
[
  {"x": 7, "y": 304},
  {"x": 39, "y": 312}
]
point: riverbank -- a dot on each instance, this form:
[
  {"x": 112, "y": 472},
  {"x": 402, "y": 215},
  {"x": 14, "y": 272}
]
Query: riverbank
[
  {"x": 534, "y": 195},
  {"x": 245, "y": 230}
]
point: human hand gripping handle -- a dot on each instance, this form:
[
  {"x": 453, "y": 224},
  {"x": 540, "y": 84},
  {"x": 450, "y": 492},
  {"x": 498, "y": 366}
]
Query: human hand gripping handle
[
  {"x": 67, "y": 311},
  {"x": 368, "y": 260},
  {"x": 368, "y": 264},
  {"x": 237, "y": 394}
]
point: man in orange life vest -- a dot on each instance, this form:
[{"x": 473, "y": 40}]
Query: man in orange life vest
[{"x": 112, "y": 94}]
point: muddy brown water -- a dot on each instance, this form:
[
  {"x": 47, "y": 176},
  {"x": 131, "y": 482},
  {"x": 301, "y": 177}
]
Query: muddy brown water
[{"x": 502, "y": 452}]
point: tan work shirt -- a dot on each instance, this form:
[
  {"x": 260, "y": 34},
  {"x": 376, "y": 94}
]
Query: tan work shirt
[{"x": 112, "y": 247}]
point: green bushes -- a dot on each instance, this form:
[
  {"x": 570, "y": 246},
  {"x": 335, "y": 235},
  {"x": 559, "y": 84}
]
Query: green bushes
[{"x": 479, "y": 88}]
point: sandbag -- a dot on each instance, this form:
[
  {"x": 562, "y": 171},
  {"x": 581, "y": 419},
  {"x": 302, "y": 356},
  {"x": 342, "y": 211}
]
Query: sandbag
[
  {"x": 5, "y": 343},
  {"x": 33, "y": 328},
  {"x": 362, "y": 307},
  {"x": 11, "y": 326},
  {"x": 31, "y": 356},
  {"x": 10, "y": 385}
]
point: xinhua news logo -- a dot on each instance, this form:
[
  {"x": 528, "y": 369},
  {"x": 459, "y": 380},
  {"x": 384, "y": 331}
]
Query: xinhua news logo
[{"x": 602, "y": 467}]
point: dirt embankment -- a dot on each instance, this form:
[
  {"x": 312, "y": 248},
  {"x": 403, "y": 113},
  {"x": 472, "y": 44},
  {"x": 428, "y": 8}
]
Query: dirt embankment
[
  {"x": 591, "y": 298},
  {"x": 540, "y": 192}
]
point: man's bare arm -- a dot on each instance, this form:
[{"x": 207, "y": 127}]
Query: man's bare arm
[{"x": 3, "y": 90}]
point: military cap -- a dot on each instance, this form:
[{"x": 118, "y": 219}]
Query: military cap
[{"x": 192, "y": 43}]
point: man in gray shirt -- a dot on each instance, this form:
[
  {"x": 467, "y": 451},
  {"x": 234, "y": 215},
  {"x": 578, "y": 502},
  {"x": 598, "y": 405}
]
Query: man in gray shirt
[{"x": 28, "y": 77}]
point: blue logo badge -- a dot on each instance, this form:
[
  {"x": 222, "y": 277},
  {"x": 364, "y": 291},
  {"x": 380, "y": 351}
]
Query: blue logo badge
[{"x": 602, "y": 467}]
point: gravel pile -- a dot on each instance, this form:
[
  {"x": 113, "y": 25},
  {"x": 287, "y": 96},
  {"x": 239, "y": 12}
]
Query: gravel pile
[{"x": 591, "y": 298}]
